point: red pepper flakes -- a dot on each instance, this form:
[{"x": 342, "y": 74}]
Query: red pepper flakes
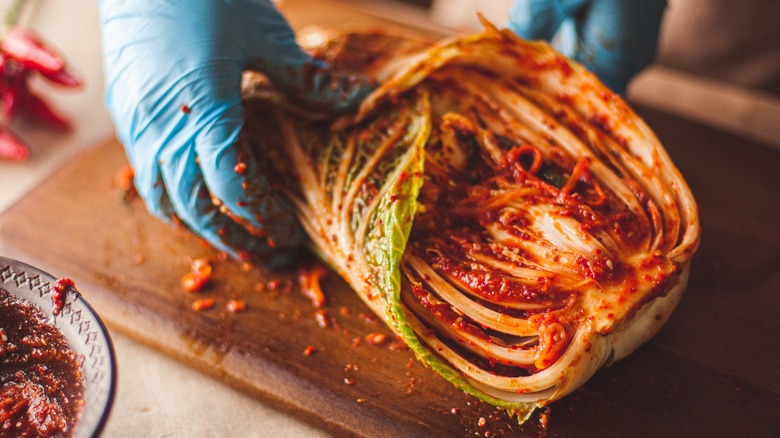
[
  {"x": 196, "y": 279},
  {"x": 192, "y": 283},
  {"x": 482, "y": 422},
  {"x": 369, "y": 318},
  {"x": 202, "y": 304},
  {"x": 398, "y": 346},
  {"x": 361, "y": 400},
  {"x": 348, "y": 382},
  {"x": 544, "y": 419},
  {"x": 201, "y": 267},
  {"x": 58, "y": 295},
  {"x": 185, "y": 108},
  {"x": 309, "y": 350},
  {"x": 375, "y": 338},
  {"x": 321, "y": 316},
  {"x": 139, "y": 259},
  {"x": 123, "y": 180},
  {"x": 411, "y": 385},
  {"x": 235, "y": 306},
  {"x": 309, "y": 281},
  {"x": 455, "y": 411},
  {"x": 240, "y": 167}
]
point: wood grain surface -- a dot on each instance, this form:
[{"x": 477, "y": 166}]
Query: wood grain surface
[{"x": 714, "y": 370}]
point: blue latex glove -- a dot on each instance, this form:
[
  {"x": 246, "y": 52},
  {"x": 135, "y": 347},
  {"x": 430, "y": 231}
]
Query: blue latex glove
[
  {"x": 613, "y": 38},
  {"x": 173, "y": 71}
]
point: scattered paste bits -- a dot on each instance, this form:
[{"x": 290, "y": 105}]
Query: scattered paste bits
[{"x": 196, "y": 279}]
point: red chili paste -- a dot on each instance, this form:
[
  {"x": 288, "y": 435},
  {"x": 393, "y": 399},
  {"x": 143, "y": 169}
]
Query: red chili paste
[{"x": 41, "y": 385}]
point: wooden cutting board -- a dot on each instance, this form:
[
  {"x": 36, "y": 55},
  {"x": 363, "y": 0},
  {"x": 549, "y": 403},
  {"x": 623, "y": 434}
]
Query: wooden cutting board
[{"x": 714, "y": 370}]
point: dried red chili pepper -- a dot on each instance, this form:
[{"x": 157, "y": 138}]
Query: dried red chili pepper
[
  {"x": 11, "y": 147},
  {"x": 17, "y": 97},
  {"x": 29, "y": 51},
  {"x": 22, "y": 54},
  {"x": 34, "y": 107}
]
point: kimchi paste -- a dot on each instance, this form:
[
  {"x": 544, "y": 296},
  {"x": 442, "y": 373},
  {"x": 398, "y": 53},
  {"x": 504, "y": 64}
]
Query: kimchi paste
[{"x": 41, "y": 385}]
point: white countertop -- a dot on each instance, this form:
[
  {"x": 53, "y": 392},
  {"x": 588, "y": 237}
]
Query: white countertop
[{"x": 158, "y": 397}]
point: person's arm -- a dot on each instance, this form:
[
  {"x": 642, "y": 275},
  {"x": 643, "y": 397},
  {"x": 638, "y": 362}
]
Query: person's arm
[
  {"x": 613, "y": 38},
  {"x": 173, "y": 72}
]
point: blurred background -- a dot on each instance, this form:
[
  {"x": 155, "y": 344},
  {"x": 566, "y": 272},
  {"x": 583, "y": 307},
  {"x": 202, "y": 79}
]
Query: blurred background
[{"x": 718, "y": 61}]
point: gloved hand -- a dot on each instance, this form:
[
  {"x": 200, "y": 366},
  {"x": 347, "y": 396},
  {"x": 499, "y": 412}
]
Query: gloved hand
[
  {"x": 173, "y": 72},
  {"x": 613, "y": 38}
]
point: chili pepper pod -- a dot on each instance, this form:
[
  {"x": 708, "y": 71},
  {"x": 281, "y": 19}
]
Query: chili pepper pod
[
  {"x": 9, "y": 97},
  {"x": 11, "y": 147},
  {"x": 13, "y": 79},
  {"x": 21, "y": 53},
  {"x": 16, "y": 96},
  {"x": 28, "y": 50},
  {"x": 62, "y": 77},
  {"x": 21, "y": 46},
  {"x": 37, "y": 109}
]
